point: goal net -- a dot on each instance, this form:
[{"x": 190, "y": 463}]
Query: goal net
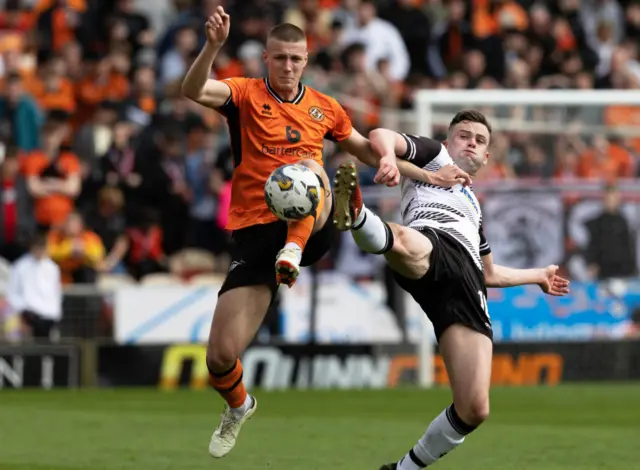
[{"x": 551, "y": 155}]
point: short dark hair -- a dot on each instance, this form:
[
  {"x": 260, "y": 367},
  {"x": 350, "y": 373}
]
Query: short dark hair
[
  {"x": 470, "y": 115},
  {"x": 287, "y": 32}
]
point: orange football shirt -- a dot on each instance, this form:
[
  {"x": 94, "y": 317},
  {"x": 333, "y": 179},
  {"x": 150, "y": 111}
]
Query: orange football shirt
[
  {"x": 267, "y": 132},
  {"x": 52, "y": 209}
]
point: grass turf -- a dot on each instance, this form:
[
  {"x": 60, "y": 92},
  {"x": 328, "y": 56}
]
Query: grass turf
[{"x": 584, "y": 427}]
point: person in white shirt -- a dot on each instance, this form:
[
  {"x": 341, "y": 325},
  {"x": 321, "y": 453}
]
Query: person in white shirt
[
  {"x": 381, "y": 39},
  {"x": 34, "y": 290}
]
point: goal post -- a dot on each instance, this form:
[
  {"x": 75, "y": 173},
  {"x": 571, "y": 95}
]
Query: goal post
[{"x": 544, "y": 115}]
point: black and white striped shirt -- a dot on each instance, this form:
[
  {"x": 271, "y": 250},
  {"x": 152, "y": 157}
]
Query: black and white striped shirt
[{"x": 455, "y": 211}]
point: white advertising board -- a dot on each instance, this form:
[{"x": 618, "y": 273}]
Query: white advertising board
[{"x": 347, "y": 313}]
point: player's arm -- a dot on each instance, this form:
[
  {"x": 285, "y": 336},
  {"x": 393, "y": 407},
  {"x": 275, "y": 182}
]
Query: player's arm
[
  {"x": 414, "y": 153},
  {"x": 496, "y": 275},
  {"x": 197, "y": 85},
  {"x": 502, "y": 276},
  {"x": 361, "y": 147}
]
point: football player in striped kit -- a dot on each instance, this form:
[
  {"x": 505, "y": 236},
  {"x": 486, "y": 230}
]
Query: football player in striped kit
[{"x": 440, "y": 256}]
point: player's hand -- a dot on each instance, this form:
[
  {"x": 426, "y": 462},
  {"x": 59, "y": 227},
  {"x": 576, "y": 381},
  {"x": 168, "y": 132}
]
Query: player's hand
[
  {"x": 217, "y": 27},
  {"x": 551, "y": 283},
  {"x": 449, "y": 176},
  {"x": 388, "y": 172}
]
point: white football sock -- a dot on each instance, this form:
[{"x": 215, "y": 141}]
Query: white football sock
[
  {"x": 370, "y": 233},
  {"x": 242, "y": 409},
  {"x": 444, "y": 434}
]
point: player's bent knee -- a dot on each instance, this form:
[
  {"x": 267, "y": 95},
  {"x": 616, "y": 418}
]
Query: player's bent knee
[
  {"x": 221, "y": 357},
  {"x": 474, "y": 412},
  {"x": 409, "y": 255}
]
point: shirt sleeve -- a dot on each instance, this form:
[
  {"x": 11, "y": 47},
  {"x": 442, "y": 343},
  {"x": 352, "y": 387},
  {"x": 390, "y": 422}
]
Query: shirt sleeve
[
  {"x": 485, "y": 249},
  {"x": 421, "y": 150},
  {"x": 238, "y": 87},
  {"x": 342, "y": 126}
]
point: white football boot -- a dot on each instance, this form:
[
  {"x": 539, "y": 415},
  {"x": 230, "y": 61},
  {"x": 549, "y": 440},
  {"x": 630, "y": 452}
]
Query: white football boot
[
  {"x": 225, "y": 436},
  {"x": 288, "y": 265}
]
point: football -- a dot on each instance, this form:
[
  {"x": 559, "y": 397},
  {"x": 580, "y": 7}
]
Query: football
[{"x": 292, "y": 192}]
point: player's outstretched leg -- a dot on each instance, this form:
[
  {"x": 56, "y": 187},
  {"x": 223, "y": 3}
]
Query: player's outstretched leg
[
  {"x": 467, "y": 357},
  {"x": 238, "y": 315},
  {"x": 406, "y": 250},
  {"x": 299, "y": 232}
]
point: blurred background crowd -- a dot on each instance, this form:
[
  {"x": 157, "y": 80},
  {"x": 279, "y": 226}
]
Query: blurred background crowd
[{"x": 103, "y": 155}]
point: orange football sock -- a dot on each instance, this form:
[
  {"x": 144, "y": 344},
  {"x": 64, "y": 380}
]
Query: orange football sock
[
  {"x": 300, "y": 231},
  {"x": 230, "y": 386}
]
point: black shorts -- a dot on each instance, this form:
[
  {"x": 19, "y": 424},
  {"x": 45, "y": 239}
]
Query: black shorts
[
  {"x": 453, "y": 290},
  {"x": 254, "y": 250}
]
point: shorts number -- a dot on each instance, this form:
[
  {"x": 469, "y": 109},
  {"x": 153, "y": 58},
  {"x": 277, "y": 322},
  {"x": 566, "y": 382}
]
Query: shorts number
[{"x": 483, "y": 303}]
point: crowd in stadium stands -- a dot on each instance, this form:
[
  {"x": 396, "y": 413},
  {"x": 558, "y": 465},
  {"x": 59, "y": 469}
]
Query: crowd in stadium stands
[{"x": 101, "y": 150}]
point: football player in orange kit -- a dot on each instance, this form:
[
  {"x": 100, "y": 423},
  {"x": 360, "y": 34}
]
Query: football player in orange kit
[{"x": 272, "y": 122}]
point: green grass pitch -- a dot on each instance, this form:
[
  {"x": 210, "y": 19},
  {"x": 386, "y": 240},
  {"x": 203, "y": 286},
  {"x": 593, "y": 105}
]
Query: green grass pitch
[{"x": 585, "y": 427}]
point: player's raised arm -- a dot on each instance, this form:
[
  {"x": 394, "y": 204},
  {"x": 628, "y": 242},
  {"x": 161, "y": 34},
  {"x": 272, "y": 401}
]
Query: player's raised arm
[
  {"x": 414, "y": 154},
  {"x": 196, "y": 84},
  {"x": 388, "y": 170}
]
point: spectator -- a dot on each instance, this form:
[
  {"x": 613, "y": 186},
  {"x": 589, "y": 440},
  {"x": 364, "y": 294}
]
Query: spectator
[
  {"x": 120, "y": 167},
  {"x": 94, "y": 138},
  {"x": 311, "y": 17},
  {"x": 53, "y": 177},
  {"x": 199, "y": 174},
  {"x": 34, "y": 290},
  {"x": 16, "y": 220},
  {"x": 78, "y": 251},
  {"x": 176, "y": 61},
  {"x": 51, "y": 87},
  {"x": 166, "y": 187},
  {"x": 611, "y": 251},
  {"x": 415, "y": 27},
  {"x": 20, "y": 117},
  {"x": 381, "y": 41},
  {"x": 146, "y": 255},
  {"x": 109, "y": 224}
]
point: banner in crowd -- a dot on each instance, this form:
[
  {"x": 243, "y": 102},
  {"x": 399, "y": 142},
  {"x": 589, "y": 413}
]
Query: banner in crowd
[
  {"x": 39, "y": 366},
  {"x": 348, "y": 366},
  {"x": 524, "y": 229},
  {"x": 537, "y": 226}
]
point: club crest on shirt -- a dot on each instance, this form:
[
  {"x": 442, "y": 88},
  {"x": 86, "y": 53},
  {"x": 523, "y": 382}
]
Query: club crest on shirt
[{"x": 316, "y": 113}]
